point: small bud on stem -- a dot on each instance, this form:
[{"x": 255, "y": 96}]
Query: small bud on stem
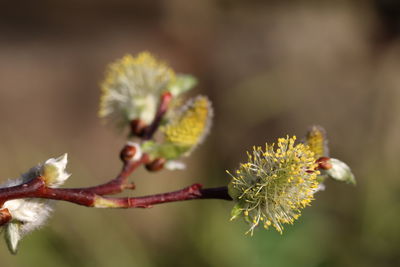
[
  {"x": 156, "y": 164},
  {"x": 137, "y": 127},
  {"x": 5, "y": 216},
  {"x": 127, "y": 153},
  {"x": 324, "y": 164}
]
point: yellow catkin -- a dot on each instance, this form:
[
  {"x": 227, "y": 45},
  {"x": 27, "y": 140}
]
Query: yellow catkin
[
  {"x": 276, "y": 184},
  {"x": 192, "y": 125},
  {"x": 131, "y": 81},
  {"x": 316, "y": 140}
]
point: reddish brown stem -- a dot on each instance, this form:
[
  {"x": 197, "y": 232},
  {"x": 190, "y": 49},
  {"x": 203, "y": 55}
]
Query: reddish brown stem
[
  {"x": 194, "y": 191},
  {"x": 88, "y": 198},
  {"x": 92, "y": 196},
  {"x": 118, "y": 184},
  {"x": 20, "y": 191},
  {"x": 37, "y": 188},
  {"x": 162, "y": 109}
]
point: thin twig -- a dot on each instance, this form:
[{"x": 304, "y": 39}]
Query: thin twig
[
  {"x": 86, "y": 196},
  {"x": 162, "y": 109},
  {"x": 120, "y": 183}
]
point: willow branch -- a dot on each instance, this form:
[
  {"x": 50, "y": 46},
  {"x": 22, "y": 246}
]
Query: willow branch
[
  {"x": 120, "y": 183},
  {"x": 93, "y": 196},
  {"x": 37, "y": 188},
  {"x": 192, "y": 192},
  {"x": 162, "y": 109}
]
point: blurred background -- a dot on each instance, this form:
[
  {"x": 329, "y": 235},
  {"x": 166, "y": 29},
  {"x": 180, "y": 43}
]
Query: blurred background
[{"x": 271, "y": 68}]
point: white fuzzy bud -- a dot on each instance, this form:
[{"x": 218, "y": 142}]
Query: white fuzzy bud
[
  {"x": 13, "y": 236},
  {"x": 138, "y": 151},
  {"x": 340, "y": 171},
  {"x": 29, "y": 214},
  {"x": 53, "y": 171}
]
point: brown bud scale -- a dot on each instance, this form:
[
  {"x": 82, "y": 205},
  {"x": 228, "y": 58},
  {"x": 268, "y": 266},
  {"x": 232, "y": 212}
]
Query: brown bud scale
[
  {"x": 155, "y": 165},
  {"x": 324, "y": 164},
  {"x": 127, "y": 153},
  {"x": 5, "y": 216},
  {"x": 138, "y": 127}
]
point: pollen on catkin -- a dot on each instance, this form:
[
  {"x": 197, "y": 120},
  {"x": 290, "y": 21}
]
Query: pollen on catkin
[
  {"x": 132, "y": 88},
  {"x": 317, "y": 141},
  {"x": 274, "y": 185},
  {"x": 191, "y": 125}
]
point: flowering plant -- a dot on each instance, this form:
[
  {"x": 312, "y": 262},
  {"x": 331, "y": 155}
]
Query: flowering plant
[{"x": 146, "y": 96}]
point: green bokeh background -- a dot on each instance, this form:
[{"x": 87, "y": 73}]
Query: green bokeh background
[{"x": 271, "y": 68}]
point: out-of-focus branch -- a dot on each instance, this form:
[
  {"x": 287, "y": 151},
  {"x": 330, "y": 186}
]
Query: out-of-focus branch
[{"x": 162, "y": 109}]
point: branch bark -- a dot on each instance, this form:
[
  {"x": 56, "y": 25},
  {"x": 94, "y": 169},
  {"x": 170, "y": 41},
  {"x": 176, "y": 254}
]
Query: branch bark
[{"x": 88, "y": 197}]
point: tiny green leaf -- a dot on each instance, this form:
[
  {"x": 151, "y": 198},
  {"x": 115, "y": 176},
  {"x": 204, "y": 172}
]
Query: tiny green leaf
[{"x": 182, "y": 84}]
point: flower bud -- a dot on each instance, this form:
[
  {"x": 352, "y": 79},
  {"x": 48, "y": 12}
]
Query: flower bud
[
  {"x": 324, "y": 163},
  {"x": 137, "y": 127},
  {"x": 340, "y": 171},
  {"x": 131, "y": 152},
  {"x": 26, "y": 215},
  {"x": 13, "y": 236},
  {"x": 5, "y": 216},
  {"x": 53, "y": 171},
  {"x": 156, "y": 164}
]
